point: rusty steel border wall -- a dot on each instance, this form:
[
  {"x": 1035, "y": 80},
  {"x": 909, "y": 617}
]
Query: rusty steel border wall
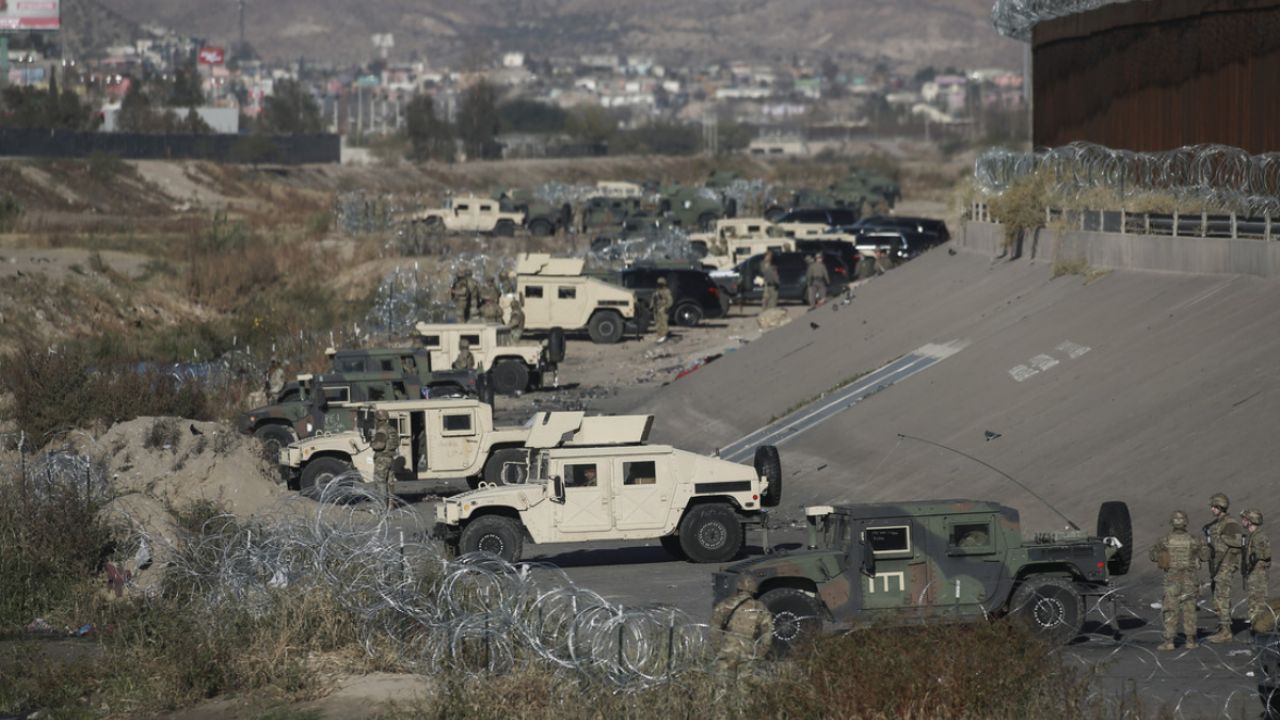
[{"x": 1160, "y": 75}]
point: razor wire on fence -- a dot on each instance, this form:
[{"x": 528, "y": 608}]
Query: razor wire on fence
[
  {"x": 1213, "y": 176},
  {"x": 1016, "y": 18}
]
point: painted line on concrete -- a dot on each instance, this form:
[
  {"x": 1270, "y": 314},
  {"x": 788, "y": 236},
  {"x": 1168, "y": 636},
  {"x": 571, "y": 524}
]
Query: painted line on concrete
[{"x": 825, "y": 408}]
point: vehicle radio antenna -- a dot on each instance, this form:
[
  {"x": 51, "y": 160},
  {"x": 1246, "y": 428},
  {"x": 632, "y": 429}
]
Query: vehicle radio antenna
[{"x": 1002, "y": 473}]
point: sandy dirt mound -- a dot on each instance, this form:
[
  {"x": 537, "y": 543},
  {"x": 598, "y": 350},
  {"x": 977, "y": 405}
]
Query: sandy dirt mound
[{"x": 179, "y": 461}]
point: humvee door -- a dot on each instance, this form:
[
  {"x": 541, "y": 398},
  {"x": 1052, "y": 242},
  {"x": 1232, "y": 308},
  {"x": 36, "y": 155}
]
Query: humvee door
[
  {"x": 454, "y": 440},
  {"x": 968, "y": 567},
  {"x": 642, "y": 489},
  {"x": 586, "y": 506}
]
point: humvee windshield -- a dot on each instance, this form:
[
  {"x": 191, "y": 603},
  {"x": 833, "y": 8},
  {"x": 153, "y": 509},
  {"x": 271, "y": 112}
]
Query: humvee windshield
[{"x": 835, "y": 532}]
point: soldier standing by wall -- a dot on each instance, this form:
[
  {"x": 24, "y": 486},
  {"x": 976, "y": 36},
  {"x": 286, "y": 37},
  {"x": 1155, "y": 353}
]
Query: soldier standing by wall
[
  {"x": 1226, "y": 540},
  {"x": 1179, "y": 555},
  {"x": 662, "y": 302},
  {"x": 460, "y": 294},
  {"x": 465, "y": 360},
  {"x": 746, "y": 624},
  {"x": 769, "y": 274},
  {"x": 816, "y": 279},
  {"x": 386, "y": 443},
  {"x": 1256, "y": 562}
]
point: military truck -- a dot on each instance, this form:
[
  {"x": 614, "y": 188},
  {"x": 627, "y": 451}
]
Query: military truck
[
  {"x": 605, "y": 482},
  {"x": 556, "y": 294},
  {"x": 513, "y": 368},
  {"x": 943, "y": 560},
  {"x": 470, "y": 213},
  {"x": 540, "y": 217},
  {"x": 694, "y": 208},
  {"x": 606, "y": 215},
  {"x": 441, "y": 441},
  {"x": 733, "y": 240},
  {"x": 321, "y": 403}
]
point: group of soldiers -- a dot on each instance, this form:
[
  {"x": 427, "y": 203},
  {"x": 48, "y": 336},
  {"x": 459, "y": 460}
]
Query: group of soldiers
[
  {"x": 471, "y": 299},
  {"x": 1230, "y": 548},
  {"x": 817, "y": 279}
]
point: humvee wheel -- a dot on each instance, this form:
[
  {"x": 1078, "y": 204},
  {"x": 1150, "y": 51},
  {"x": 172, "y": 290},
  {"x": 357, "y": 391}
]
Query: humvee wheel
[
  {"x": 605, "y": 328},
  {"x": 707, "y": 221},
  {"x": 495, "y": 535},
  {"x": 688, "y": 315},
  {"x": 540, "y": 228},
  {"x": 797, "y": 618},
  {"x": 710, "y": 534},
  {"x": 671, "y": 543},
  {"x": 506, "y": 228},
  {"x": 320, "y": 473},
  {"x": 495, "y": 472},
  {"x": 1113, "y": 521},
  {"x": 510, "y": 377},
  {"x": 273, "y": 438},
  {"x": 1050, "y": 608}
]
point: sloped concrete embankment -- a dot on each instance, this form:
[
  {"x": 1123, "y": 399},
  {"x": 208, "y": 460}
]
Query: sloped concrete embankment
[{"x": 1156, "y": 389}]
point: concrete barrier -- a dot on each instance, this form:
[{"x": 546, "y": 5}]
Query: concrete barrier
[{"x": 1206, "y": 256}]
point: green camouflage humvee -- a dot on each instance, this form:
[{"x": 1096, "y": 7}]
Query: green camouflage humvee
[{"x": 942, "y": 560}]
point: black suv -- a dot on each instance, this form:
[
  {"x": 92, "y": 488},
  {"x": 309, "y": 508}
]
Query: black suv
[
  {"x": 843, "y": 249},
  {"x": 695, "y": 294},
  {"x": 791, "y": 268},
  {"x": 833, "y": 217},
  {"x": 923, "y": 226}
]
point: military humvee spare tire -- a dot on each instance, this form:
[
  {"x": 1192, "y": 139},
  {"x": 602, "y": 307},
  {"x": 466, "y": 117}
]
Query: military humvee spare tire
[
  {"x": 555, "y": 345},
  {"x": 769, "y": 466}
]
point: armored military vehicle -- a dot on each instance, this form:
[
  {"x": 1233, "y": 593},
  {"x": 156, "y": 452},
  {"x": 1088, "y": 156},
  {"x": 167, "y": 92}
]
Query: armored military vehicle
[
  {"x": 470, "y": 213},
  {"x": 604, "y": 482},
  {"x": 440, "y": 441},
  {"x": 556, "y": 294},
  {"x": 321, "y": 403},
  {"x": 513, "y": 367},
  {"x": 694, "y": 208},
  {"x": 540, "y": 217},
  {"x": 606, "y": 215},
  {"x": 934, "y": 561}
]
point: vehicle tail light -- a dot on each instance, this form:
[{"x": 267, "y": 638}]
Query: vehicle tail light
[
  {"x": 840, "y": 271},
  {"x": 712, "y": 290}
]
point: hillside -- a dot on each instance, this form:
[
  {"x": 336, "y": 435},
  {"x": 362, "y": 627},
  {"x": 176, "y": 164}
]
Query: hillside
[{"x": 913, "y": 31}]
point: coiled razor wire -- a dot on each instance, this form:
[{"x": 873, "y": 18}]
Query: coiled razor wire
[
  {"x": 475, "y": 613},
  {"x": 1213, "y": 176},
  {"x": 1016, "y": 18}
]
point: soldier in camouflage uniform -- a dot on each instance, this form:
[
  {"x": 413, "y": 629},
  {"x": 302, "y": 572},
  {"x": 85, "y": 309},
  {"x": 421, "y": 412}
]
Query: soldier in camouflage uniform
[
  {"x": 662, "y": 302},
  {"x": 746, "y": 624},
  {"x": 816, "y": 279},
  {"x": 490, "y": 297},
  {"x": 1256, "y": 561},
  {"x": 465, "y": 360},
  {"x": 1226, "y": 540},
  {"x": 386, "y": 443},
  {"x": 460, "y": 294},
  {"x": 516, "y": 320},
  {"x": 769, "y": 275},
  {"x": 1179, "y": 555}
]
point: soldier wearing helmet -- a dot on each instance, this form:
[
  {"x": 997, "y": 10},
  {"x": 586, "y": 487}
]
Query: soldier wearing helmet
[
  {"x": 461, "y": 294},
  {"x": 385, "y": 444},
  {"x": 1256, "y": 561},
  {"x": 1179, "y": 555},
  {"x": 465, "y": 360},
  {"x": 662, "y": 301},
  {"x": 1226, "y": 541},
  {"x": 816, "y": 279},
  {"x": 746, "y": 624}
]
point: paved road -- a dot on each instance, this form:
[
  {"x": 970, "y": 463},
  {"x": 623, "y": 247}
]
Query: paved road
[{"x": 824, "y": 408}]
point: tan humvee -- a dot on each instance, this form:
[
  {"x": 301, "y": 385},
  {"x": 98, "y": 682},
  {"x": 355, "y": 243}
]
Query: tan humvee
[
  {"x": 618, "y": 189},
  {"x": 471, "y": 213},
  {"x": 556, "y": 294},
  {"x": 616, "y": 487},
  {"x": 440, "y": 441},
  {"x": 513, "y": 367},
  {"x": 737, "y": 239}
]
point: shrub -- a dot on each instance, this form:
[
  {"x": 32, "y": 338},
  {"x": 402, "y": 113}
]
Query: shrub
[{"x": 1021, "y": 207}]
